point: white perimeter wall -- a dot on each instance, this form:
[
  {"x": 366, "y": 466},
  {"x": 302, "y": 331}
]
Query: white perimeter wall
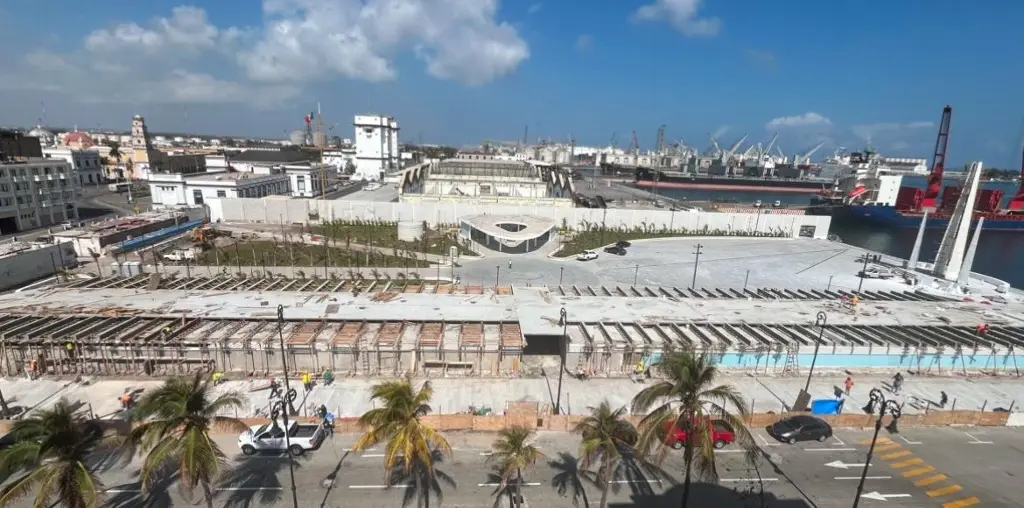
[
  {"x": 35, "y": 264},
  {"x": 277, "y": 211}
]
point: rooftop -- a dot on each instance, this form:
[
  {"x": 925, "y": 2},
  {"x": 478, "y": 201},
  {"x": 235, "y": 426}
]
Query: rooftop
[
  {"x": 512, "y": 227},
  {"x": 486, "y": 169},
  {"x": 272, "y": 156}
]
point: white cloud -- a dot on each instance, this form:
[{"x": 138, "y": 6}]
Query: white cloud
[
  {"x": 889, "y": 129},
  {"x": 584, "y": 42},
  {"x": 184, "y": 58},
  {"x": 682, "y": 15},
  {"x": 534, "y": 8},
  {"x": 459, "y": 40},
  {"x": 808, "y": 119}
]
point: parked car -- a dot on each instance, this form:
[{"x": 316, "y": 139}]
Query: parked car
[
  {"x": 270, "y": 437},
  {"x": 586, "y": 255},
  {"x": 615, "y": 249},
  {"x": 623, "y": 243},
  {"x": 721, "y": 434},
  {"x": 800, "y": 428}
]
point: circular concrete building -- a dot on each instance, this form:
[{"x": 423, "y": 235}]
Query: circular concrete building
[{"x": 510, "y": 234}]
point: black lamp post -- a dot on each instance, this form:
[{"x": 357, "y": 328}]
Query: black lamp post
[
  {"x": 877, "y": 399},
  {"x": 562, "y": 346},
  {"x": 280, "y": 408},
  {"x": 820, "y": 321}
]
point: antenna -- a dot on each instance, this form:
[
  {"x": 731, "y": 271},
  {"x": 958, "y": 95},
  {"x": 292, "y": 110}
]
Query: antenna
[{"x": 42, "y": 119}]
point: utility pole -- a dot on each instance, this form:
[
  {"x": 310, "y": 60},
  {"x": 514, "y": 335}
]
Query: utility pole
[
  {"x": 696, "y": 261},
  {"x": 636, "y": 273}
]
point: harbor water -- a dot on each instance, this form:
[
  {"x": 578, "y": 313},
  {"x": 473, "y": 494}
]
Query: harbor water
[{"x": 998, "y": 251}]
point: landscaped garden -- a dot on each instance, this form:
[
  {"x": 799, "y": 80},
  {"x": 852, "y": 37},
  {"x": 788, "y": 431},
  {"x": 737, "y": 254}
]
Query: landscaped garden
[
  {"x": 592, "y": 236},
  {"x": 274, "y": 253},
  {"x": 383, "y": 235}
]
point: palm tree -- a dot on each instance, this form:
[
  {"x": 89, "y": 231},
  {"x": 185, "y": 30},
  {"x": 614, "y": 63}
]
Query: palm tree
[
  {"x": 175, "y": 422},
  {"x": 513, "y": 452},
  {"x": 689, "y": 399},
  {"x": 607, "y": 437},
  {"x": 54, "y": 446},
  {"x": 410, "y": 443}
]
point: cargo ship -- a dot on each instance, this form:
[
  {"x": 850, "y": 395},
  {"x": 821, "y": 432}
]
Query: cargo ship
[
  {"x": 665, "y": 179},
  {"x": 881, "y": 199}
]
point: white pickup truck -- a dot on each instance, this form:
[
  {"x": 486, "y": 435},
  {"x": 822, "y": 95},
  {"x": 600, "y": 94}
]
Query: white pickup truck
[{"x": 270, "y": 437}]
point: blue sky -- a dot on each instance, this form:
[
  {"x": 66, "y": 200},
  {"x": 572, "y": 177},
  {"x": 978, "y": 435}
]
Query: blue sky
[{"x": 464, "y": 71}]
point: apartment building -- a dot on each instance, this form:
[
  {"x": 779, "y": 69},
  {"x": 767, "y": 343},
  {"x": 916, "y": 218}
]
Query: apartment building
[
  {"x": 36, "y": 193},
  {"x": 86, "y": 163}
]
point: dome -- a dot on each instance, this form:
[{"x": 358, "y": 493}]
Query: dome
[
  {"x": 45, "y": 137},
  {"x": 80, "y": 139}
]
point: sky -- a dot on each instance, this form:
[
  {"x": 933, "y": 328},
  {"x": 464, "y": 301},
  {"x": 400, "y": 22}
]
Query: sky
[{"x": 466, "y": 71}]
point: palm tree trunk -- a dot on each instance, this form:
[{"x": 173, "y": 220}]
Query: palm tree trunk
[
  {"x": 603, "y": 478},
  {"x": 519, "y": 488},
  {"x": 688, "y": 460},
  {"x": 208, "y": 494}
]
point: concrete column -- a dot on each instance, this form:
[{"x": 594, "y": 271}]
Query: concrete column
[
  {"x": 965, "y": 270},
  {"x": 916, "y": 253}
]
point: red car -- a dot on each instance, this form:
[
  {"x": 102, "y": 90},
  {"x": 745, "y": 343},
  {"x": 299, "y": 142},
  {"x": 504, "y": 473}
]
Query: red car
[{"x": 721, "y": 434}]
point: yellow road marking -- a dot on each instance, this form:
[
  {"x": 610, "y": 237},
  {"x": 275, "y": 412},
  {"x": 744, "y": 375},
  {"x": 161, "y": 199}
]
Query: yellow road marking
[
  {"x": 930, "y": 480},
  {"x": 890, "y": 446},
  {"x": 905, "y": 463},
  {"x": 919, "y": 471},
  {"x": 867, "y": 442},
  {"x": 896, "y": 455},
  {"x": 944, "y": 491},
  {"x": 963, "y": 503}
]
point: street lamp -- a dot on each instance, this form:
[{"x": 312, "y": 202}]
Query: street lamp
[
  {"x": 820, "y": 322},
  {"x": 562, "y": 346},
  {"x": 281, "y": 407},
  {"x": 877, "y": 399}
]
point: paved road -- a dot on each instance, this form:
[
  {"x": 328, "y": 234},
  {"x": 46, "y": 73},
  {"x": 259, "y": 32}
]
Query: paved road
[{"x": 949, "y": 468}]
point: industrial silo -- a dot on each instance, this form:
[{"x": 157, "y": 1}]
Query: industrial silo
[{"x": 297, "y": 137}]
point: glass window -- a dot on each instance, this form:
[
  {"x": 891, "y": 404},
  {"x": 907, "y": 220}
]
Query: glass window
[
  {"x": 222, "y": 194},
  {"x": 197, "y": 196}
]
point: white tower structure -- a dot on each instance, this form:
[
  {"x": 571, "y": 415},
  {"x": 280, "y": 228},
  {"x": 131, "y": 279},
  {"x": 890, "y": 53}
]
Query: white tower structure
[
  {"x": 376, "y": 146},
  {"x": 950, "y": 257}
]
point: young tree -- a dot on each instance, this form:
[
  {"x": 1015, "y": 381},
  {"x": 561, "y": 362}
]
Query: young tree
[{"x": 607, "y": 438}]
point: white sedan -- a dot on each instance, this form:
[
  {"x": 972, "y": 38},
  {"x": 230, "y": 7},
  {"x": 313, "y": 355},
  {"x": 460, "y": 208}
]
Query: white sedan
[{"x": 586, "y": 255}]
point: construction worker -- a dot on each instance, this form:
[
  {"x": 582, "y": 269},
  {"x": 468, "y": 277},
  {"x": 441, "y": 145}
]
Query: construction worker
[
  {"x": 856, "y": 300},
  {"x": 307, "y": 380},
  {"x": 70, "y": 348},
  {"x": 126, "y": 400},
  {"x": 328, "y": 376},
  {"x": 33, "y": 369},
  {"x": 217, "y": 377}
]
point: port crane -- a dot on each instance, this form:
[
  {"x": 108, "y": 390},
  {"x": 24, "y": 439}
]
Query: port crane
[
  {"x": 634, "y": 147},
  {"x": 806, "y": 157},
  {"x": 931, "y": 193}
]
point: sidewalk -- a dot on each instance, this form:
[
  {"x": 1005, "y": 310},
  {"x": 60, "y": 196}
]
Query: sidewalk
[{"x": 350, "y": 397}]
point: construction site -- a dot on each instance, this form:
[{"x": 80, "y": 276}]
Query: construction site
[{"x": 149, "y": 325}]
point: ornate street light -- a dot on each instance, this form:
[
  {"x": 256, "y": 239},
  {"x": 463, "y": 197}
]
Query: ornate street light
[
  {"x": 820, "y": 321},
  {"x": 562, "y": 346},
  {"x": 281, "y": 407},
  {"x": 893, "y": 408}
]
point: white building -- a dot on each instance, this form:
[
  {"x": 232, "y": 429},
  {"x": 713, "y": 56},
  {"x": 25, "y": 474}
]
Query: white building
[
  {"x": 23, "y": 262},
  {"x": 309, "y": 180},
  {"x": 172, "y": 189},
  {"x": 340, "y": 158},
  {"x": 36, "y": 193},
  {"x": 376, "y": 147},
  {"x": 85, "y": 163}
]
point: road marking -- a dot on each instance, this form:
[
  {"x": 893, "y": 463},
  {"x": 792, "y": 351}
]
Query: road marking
[
  {"x": 866, "y": 478},
  {"x": 247, "y": 489},
  {"x": 930, "y": 480},
  {"x": 878, "y": 496},
  {"x": 766, "y": 443},
  {"x": 944, "y": 491},
  {"x": 531, "y": 484},
  {"x": 400, "y": 486},
  {"x": 729, "y": 451},
  {"x": 830, "y": 449},
  {"x": 896, "y": 455},
  {"x": 963, "y": 503},
  {"x": 905, "y": 440},
  {"x": 755, "y": 480},
  {"x": 840, "y": 443},
  {"x": 633, "y": 481},
  {"x": 486, "y": 454},
  {"x": 378, "y": 455},
  {"x": 867, "y": 442},
  {"x": 919, "y": 471},
  {"x": 911, "y": 462},
  {"x": 122, "y": 491},
  {"x": 838, "y": 464},
  {"x": 976, "y": 440},
  {"x": 886, "y": 447}
]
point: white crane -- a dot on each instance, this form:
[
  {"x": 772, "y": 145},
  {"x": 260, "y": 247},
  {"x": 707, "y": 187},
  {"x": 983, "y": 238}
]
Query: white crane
[{"x": 806, "y": 158}]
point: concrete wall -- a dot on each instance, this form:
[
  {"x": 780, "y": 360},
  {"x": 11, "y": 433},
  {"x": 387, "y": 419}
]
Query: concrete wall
[
  {"x": 35, "y": 264},
  {"x": 299, "y": 210}
]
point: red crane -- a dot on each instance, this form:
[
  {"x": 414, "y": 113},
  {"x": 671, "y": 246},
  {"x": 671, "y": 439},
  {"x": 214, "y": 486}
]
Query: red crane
[
  {"x": 934, "y": 188},
  {"x": 1017, "y": 201}
]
